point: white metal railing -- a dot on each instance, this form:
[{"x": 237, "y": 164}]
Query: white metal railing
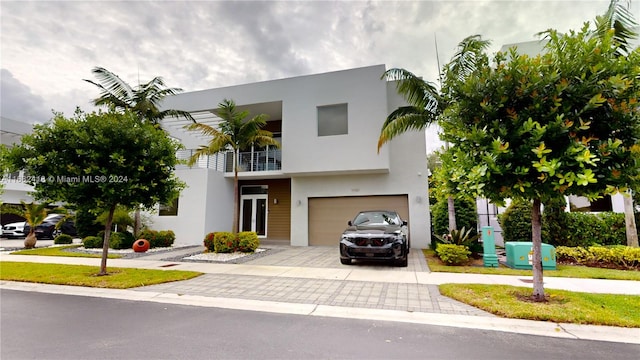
[
  {"x": 269, "y": 159},
  {"x": 215, "y": 161}
]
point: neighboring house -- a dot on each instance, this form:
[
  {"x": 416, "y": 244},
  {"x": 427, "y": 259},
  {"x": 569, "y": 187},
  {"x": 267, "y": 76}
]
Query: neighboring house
[
  {"x": 326, "y": 170},
  {"x": 14, "y": 188}
]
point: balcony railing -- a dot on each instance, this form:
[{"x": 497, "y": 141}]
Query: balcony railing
[
  {"x": 269, "y": 159},
  {"x": 263, "y": 160}
]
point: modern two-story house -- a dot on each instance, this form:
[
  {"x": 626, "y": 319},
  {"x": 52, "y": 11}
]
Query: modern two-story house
[{"x": 326, "y": 170}]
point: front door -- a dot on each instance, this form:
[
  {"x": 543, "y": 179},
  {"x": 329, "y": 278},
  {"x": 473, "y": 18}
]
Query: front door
[{"x": 253, "y": 214}]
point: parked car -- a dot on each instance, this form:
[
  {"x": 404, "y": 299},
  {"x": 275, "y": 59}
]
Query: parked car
[
  {"x": 376, "y": 235},
  {"x": 13, "y": 230},
  {"x": 48, "y": 230}
]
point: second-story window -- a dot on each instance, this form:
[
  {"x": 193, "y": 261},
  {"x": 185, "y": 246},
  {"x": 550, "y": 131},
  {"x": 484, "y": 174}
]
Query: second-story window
[{"x": 333, "y": 120}]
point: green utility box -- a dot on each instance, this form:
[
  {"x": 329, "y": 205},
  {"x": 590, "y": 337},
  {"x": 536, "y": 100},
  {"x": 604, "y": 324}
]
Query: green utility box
[{"x": 520, "y": 255}]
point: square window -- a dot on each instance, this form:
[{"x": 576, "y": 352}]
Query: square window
[
  {"x": 170, "y": 209},
  {"x": 332, "y": 120}
]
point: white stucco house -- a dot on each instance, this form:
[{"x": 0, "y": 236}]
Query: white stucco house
[
  {"x": 14, "y": 187},
  {"x": 327, "y": 169}
]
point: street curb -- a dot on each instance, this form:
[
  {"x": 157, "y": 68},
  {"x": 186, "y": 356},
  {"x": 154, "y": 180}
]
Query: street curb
[{"x": 529, "y": 327}]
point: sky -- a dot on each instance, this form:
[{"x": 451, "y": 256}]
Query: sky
[{"x": 48, "y": 47}]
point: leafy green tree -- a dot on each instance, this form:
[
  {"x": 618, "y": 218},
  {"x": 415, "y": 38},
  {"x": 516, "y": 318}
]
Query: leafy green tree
[
  {"x": 234, "y": 133},
  {"x": 426, "y": 103},
  {"x": 564, "y": 122},
  {"x": 144, "y": 100},
  {"x": 100, "y": 160}
]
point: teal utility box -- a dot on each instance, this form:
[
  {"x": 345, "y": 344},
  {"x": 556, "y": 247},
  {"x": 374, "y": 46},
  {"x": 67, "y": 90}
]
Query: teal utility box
[{"x": 520, "y": 255}]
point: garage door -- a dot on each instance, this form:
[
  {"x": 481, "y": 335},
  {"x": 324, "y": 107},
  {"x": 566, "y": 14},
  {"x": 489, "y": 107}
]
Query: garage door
[{"x": 328, "y": 216}]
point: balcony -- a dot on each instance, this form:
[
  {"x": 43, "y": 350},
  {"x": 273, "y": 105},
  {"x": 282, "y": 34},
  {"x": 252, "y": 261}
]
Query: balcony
[{"x": 269, "y": 159}]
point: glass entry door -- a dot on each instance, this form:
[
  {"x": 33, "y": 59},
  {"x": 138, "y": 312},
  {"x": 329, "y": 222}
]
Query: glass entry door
[{"x": 253, "y": 214}]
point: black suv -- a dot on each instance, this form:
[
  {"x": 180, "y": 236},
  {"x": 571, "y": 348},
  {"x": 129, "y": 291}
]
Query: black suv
[
  {"x": 48, "y": 230},
  {"x": 376, "y": 235}
]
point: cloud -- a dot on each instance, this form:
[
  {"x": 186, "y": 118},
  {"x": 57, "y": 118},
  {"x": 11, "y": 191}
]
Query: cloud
[{"x": 18, "y": 102}]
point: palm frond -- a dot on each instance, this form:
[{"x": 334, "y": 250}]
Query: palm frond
[
  {"x": 465, "y": 60},
  {"x": 112, "y": 87},
  {"x": 403, "y": 120},
  {"x": 416, "y": 91},
  {"x": 618, "y": 18}
]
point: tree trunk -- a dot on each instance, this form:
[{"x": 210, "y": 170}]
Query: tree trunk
[
  {"x": 31, "y": 239},
  {"x": 630, "y": 220},
  {"x": 452, "y": 214},
  {"x": 136, "y": 223},
  {"x": 105, "y": 245},
  {"x": 536, "y": 238},
  {"x": 236, "y": 197}
]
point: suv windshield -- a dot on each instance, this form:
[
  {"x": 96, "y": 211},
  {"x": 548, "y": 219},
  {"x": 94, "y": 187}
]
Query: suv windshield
[{"x": 376, "y": 218}]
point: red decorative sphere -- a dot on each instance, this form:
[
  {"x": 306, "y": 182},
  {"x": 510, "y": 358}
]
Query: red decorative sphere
[{"x": 141, "y": 245}]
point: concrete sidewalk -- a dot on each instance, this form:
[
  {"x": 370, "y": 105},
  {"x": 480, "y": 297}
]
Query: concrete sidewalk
[{"x": 311, "y": 281}]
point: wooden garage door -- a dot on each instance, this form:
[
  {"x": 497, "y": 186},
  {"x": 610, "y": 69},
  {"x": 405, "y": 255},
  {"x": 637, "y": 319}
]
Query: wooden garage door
[{"x": 328, "y": 216}]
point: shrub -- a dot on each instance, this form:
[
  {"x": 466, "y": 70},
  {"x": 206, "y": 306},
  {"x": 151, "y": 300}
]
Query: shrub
[
  {"x": 163, "y": 238},
  {"x": 248, "y": 241},
  {"x": 92, "y": 242},
  {"x": 516, "y": 221},
  {"x": 555, "y": 223},
  {"x": 121, "y": 240},
  {"x": 463, "y": 237},
  {"x": 208, "y": 242},
  {"x": 85, "y": 223},
  {"x": 63, "y": 239},
  {"x": 225, "y": 242},
  {"x": 600, "y": 256},
  {"x": 466, "y": 216},
  {"x": 451, "y": 254}
]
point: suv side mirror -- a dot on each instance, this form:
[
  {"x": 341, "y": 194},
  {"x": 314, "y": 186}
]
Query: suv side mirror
[
  {"x": 404, "y": 222},
  {"x": 349, "y": 223}
]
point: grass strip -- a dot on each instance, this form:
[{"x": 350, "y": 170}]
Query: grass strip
[
  {"x": 60, "y": 251},
  {"x": 572, "y": 271},
  {"x": 82, "y": 275},
  {"x": 562, "y": 306}
]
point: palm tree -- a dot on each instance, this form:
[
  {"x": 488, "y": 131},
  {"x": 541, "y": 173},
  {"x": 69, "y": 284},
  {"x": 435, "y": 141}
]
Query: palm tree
[
  {"x": 233, "y": 133},
  {"x": 426, "y": 103},
  {"x": 143, "y": 100},
  {"x": 34, "y": 215}
]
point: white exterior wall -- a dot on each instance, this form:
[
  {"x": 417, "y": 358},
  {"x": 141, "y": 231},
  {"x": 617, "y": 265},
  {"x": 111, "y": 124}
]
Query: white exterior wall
[
  {"x": 206, "y": 205},
  {"x": 303, "y": 151},
  {"x": 408, "y": 176}
]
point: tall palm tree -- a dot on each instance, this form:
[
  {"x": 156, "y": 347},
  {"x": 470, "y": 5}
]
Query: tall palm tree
[
  {"x": 143, "y": 100},
  {"x": 233, "y": 133},
  {"x": 426, "y": 103}
]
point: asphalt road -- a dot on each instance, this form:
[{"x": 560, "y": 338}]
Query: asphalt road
[{"x": 51, "y": 326}]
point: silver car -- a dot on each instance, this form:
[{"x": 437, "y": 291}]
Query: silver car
[{"x": 13, "y": 230}]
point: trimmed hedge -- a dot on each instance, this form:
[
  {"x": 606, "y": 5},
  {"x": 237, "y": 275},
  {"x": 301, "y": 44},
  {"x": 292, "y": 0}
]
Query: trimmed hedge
[
  {"x": 208, "y": 242},
  {"x": 63, "y": 239},
  {"x": 92, "y": 242},
  {"x": 121, "y": 240},
  {"x": 162, "y": 238},
  {"x": 600, "y": 256},
  {"x": 227, "y": 242},
  {"x": 561, "y": 228},
  {"x": 248, "y": 241},
  {"x": 451, "y": 254}
]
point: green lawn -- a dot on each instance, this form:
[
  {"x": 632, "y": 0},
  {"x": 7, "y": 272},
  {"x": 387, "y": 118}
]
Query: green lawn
[
  {"x": 562, "y": 270},
  {"x": 81, "y": 275},
  {"x": 562, "y": 306},
  {"x": 59, "y": 251}
]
